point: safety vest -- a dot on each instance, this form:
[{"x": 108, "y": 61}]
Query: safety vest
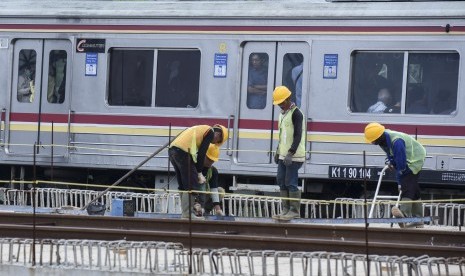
[
  {"x": 286, "y": 134},
  {"x": 191, "y": 138},
  {"x": 414, "y": 151}
]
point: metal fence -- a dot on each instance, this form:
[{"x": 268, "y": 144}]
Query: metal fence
[
  {"x": 449, "y": 214},
  {"x": 173, "y": 258}
]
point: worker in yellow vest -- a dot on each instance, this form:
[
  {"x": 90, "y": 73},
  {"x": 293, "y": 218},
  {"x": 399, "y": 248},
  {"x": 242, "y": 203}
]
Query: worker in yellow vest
[
  {"x": 290, "y": 154},
  {"x": 190, "y": 147},
  {"x": 406, "y": 156}
]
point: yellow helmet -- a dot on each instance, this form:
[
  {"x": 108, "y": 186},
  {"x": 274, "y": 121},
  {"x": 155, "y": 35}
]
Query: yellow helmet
[
  {"x": 213, "y": 152},
  {"x": 373, "y": 131},
  {"x": 280, "y": 94},
  {"x": 224, "y": 132}
]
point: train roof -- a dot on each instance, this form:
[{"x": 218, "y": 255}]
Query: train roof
[{"x": 252, "y": 9}]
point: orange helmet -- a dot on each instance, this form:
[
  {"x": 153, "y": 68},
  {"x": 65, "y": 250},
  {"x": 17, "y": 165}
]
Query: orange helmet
[
  {"x": 224, "y": 132},
  {"x": 213, "y": 152},
  {"x": 280, "y": 94},
  {"x": 373, "y": 131}
]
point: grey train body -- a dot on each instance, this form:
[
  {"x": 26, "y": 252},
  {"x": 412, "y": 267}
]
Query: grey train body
[{"x": 98, "y": 86}]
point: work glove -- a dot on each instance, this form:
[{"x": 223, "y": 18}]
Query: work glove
[
  {"x": 288, "y": 159},
  {"x": 198, "y": 210},
  {"x": 389, "y": 164},
  {"x": 201, "y": 178},
  {"x": 276, "y": 158}
]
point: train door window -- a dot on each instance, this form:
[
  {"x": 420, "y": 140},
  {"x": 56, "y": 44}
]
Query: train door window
[
  {"x": 26, "y": 76},
  {"x": 56, "y": 76},
  {"x": 432, "y": 83},
  {"x": 292, "y": 75},
  {"x": 376, "y": 81},
  {"x": 131, "y": 77},
  {"x": 178, "y": 78},
  {"x": 257, "y": 82}
]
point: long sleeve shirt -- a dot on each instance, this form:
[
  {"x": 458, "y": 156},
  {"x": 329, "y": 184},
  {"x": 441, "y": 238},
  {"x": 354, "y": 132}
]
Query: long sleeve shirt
[
  {"x": 398, "y": 158},
  {"x": 297, "y": 120},
  {"x": 202, "y": 151}
]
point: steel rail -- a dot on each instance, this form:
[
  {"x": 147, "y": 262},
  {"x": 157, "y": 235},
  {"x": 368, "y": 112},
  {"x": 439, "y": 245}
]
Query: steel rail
[{"x": 240, "y": 235}]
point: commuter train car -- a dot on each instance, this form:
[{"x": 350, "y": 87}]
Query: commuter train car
[{"x": 89, "y": 89}]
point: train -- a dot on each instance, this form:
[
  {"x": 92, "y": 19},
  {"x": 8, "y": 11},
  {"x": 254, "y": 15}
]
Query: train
[{"x": 89, "y": 89}]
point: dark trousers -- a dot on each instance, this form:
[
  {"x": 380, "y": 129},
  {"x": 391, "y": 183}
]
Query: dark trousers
[
  {"x": 409, "y": 186},
  {"x": 288, "y": 176},
  {"x": 184, "y": 167}
]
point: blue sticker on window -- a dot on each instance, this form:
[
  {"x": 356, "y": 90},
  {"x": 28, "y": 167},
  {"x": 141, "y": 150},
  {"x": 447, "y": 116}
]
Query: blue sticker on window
[
  {"x": 220, "y": 64},
  {"x": 330, "y": 66},
  {"x": 91, "y": 64}
]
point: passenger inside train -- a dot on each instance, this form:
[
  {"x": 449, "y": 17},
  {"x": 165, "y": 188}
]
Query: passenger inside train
[
  {"x": 257, "y": 81},
  {"x": 26, "y": 85},
  {"x": 368, "y": 80},
  {"x": 384, "y": 100},
  {"x": 293, "y": 75},
  {"x": 56, "y": 77}
]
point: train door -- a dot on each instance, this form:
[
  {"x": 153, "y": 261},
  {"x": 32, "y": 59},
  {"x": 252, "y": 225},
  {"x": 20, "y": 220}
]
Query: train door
[
  {"x": 39, "y": 103},
  {"x": 265, "y": 66},
  {"x": 292, "y": 72}
]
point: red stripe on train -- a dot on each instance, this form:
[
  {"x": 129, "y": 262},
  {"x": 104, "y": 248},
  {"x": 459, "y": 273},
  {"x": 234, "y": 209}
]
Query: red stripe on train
[
  {"x": 333, "y": 127},
  {"x": 374, "y": 29}
]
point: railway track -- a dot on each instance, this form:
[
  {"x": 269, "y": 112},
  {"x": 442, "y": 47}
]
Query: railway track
[{"x": 255, "y": 235}]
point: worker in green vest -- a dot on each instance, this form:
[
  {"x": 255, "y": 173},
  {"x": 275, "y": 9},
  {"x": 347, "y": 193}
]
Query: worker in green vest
[
  {"x": 406, "y": 156},
  {"x": 211, "y": 199},
  {"x": 290, "y": 153},
  {"x": 187, "y": 154}
]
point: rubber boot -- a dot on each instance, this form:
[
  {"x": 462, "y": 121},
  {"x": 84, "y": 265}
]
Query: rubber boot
[
  {"x": 403, "y": 211},
  {"x": 417, "y": 211},
  {"x": 294, "y": 207},
  {"x": 186, "y": 210},
  {"x": 284, "y": 204},
  {"x": 397, "y": 212},
  {"x": 406, "y": 207}
]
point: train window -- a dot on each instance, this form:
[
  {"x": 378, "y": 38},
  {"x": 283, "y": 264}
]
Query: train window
[
  {"x": 131, "y": 77},
  {"x": 292, "y": 75},
  {"x": 178, "y": 75},
  {"x": 56, "y": 76},
  {"x": 376, "y": 81},
  {"x": 431, "y": 88},
  {"x": 257, "y": 82},
  {"x": 432, "y": 83},
  {"x": 26, "y": 75}
]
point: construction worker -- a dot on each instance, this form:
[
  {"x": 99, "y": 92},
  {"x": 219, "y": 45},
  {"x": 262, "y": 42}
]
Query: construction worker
[
  {"x": 211, "y": 200},
  {"x": 290, "y": 153},
  {"x": 190, "y": 147},
  {"x": 406, "y": 156}
]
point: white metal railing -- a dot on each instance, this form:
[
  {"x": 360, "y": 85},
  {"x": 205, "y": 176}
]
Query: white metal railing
[
  {"x": 449, "y": 214},
  {"x": 172, "y": 258}
]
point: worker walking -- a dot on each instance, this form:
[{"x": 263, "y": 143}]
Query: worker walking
[
  {"x": 192, "y": 144},
  {"x": 406, "y": 156},
  {"x": 290, "y": 153},
  {"x": 211, "y": 199}
]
